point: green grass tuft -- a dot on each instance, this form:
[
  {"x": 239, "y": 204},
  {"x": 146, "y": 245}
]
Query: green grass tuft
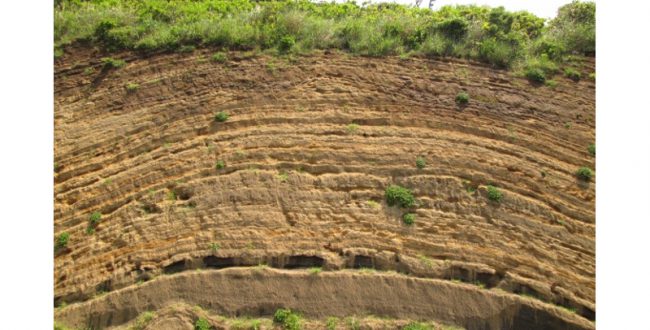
[
  {"x": 585, "y": 173},
  {"x": 396, "y": 195},
  {"x": 220, "y": 57},
  {"x": 202, "y": 324},
  {"x": 420, "y": 162},
  {"x": 221, "y": 116},
  {"x": 62, "y": 240},
  {"x": 408, "y": 218},
  {"x": 592, "y": 149},
  {"x": 494, "y": 194}
]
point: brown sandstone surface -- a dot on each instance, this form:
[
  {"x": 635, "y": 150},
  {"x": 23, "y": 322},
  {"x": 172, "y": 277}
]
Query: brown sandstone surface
[{"x": 299, "y": 184}]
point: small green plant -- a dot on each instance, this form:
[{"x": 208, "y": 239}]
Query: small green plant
[
  {"x": 551, "y": 83},
  {"x": 331, "y": 322},
  {"x": 567, "y": 125},
  {"x": 288, "y": 319},
  {"x": 58, "y": 52},
  {"x": 220, "y": 165},
  {"x": 131, "y": 87},
  {"x": 89, "y": 70},
  {"x": 592, "y": 76},
  {"x": 585, "y": 173},
  {"x": 425, "y": 261},
  {"x": 396, "y": 195},
  {"x": 286, "y": 43},
  {"x": 315, "y": 270},
  {"x": 282, "y": 176},
  {"x": 221, "y": 116},
  {"x": 62, "y": 240},
  {"x": 408, "y": 218},
  {"x": 95, "y": 217},
  {"x": 110, "y": 62},
  {"x": 572, "y": 74},
  {"x": 373, "y": 204},
  {"x": 352, "y": 128},
  {"x": 535, "y": 75},
  {"x": 202, "y": 324},
  {"x": 171, "y": 195},
  {"x": 220, "y": 57},
  {"x": 215, "y": 247},
  {"x": 494, "y": 194},
  {"x": 420, "y": 162},
  {"x": 142, "y": 320},
  {"x": 416, "y": 326},
  {"x": 353, "y": 323},
  {"x": 462, "y": 98},
  {"x": 592, "y": 149}
]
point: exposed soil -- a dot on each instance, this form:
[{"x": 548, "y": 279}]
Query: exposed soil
[{"x": 299, "y": 182}]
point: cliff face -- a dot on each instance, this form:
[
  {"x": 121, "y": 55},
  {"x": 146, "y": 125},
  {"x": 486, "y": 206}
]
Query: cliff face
[{"x": 295, "y": 178}]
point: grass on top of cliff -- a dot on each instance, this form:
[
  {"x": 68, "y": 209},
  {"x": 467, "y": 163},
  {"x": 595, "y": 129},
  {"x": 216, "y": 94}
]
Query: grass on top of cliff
[{"x": 491, "y": 35}]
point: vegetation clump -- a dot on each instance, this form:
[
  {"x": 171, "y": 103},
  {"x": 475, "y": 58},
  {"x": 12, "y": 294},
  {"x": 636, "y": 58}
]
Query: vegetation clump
[
  {"x": 221, "y": 116},
  {"x": 396, "y": 195},
  {"x": 286, "y": 43},
  {"x": 110, "y": 62},
  {"x": 462, "y": 98},
  {"x": 220, "y": 57},
  {"x": 131, "y": 87},
  {"x": 202, "y": 324},
  {"x": 420, "y": 162},
  {"x": 220, "y": 165},
  {"x": 592, "y": 149},
  {"x": 94, "y": 218},
  {"x": 408, "y": 218},
  {"x": 492, "y": 35},
  {"x": 352, "y": 128},
  {"x": 535, "y": 75},
  {"x": 416, "y": 326},
  {"x": 494, "y": 194},
  {"x": 585, "y": 173},
  {"x": 287, "y": 319},
  {"x": 331, "y": 322},
  {"x": 572, "y": 74},
  {"x": 142, "y": 320},
  {"x": 62, "y": 240}
]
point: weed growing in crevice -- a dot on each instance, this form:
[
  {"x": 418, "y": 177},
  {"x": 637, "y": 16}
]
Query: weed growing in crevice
[
  {"x": 585, "y": 173},
  {"x": 62, "y": 240},
  {"x": 494, "y": 194},
  {"x": 462, "y": 98},
  {"x": 396, "y": 195},
  {"x": 214, "y": 247},
  {"x": 420, "y": 162},
  {"x": 221, "y": 116},
  {"x": 408, "y": 218},
  {"x": 131, "y": 87},
  {"x": 352, "y": 128}
]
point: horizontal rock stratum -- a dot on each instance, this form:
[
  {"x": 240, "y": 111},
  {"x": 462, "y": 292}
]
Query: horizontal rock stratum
[{"x": 295, "y": 178}]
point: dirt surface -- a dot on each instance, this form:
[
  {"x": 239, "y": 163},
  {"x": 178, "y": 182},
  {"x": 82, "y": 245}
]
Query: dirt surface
[
  {"x": 301, "y": 187},
  {"x": 260, "y": 291}
]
